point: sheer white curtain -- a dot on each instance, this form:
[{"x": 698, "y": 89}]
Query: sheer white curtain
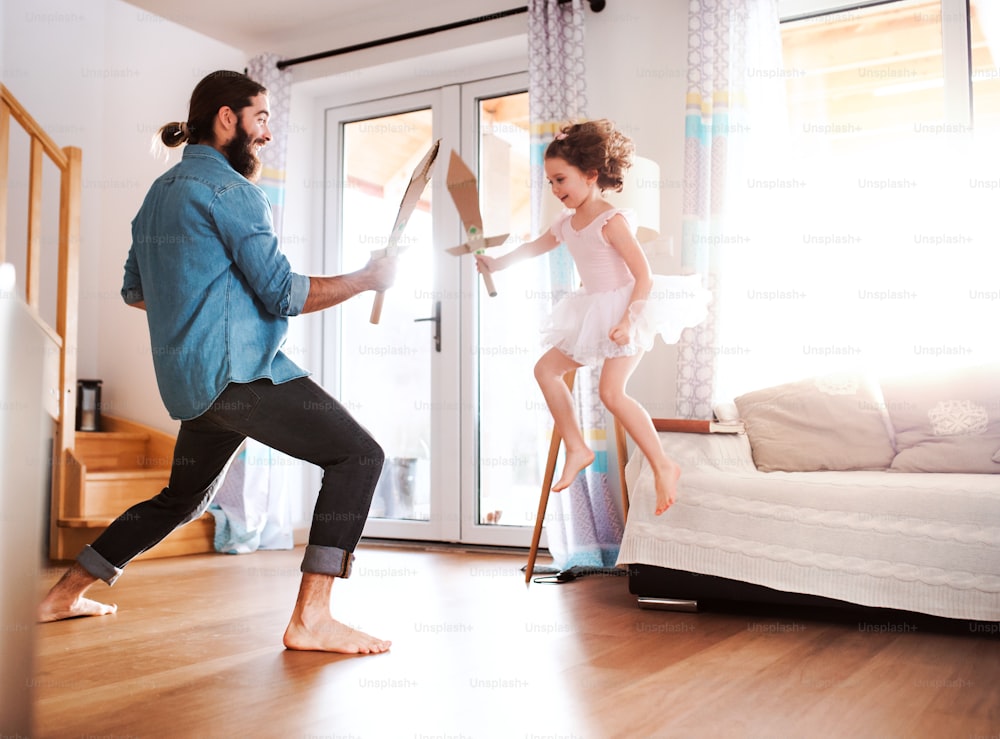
[
  {"x": 877, "y": 258},
  {"x": 733, "y": 125},
  {"x": 252, "y": 509}
]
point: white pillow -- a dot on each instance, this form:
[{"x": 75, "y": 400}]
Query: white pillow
[
  {"x": 946, "y": 421},
  {"x": 833, "y": 422}
]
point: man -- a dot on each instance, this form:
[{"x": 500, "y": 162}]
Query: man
[{"x": 206, "y": 267}]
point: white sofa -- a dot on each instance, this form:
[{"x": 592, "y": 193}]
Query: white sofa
[{"x": 841, "y": 490}]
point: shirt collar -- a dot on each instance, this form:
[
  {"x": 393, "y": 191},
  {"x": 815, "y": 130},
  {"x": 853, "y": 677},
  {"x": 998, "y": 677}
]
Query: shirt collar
[{"x": 204, "y": 151}]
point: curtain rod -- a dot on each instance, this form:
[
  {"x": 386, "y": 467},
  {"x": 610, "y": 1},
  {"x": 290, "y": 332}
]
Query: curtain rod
[{"x": 595, "y": 5}]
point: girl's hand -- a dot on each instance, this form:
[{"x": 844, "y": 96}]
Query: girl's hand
[
  {"x": 486, "y": 264},
  {"x": 622, "y": 333}
]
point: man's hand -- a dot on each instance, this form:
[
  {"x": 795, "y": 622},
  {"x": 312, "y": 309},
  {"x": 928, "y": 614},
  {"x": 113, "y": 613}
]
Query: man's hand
[
  {"x": 381, "y": 272},
  {"x": 326, "y": 292}
]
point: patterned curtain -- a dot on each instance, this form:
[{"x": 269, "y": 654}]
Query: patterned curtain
[
  {"x": 734, "y": 58},
  {"x": 252, "y": 510},
  {"x": 584, "y": 524},
  {"x": 264, "y": 69}
]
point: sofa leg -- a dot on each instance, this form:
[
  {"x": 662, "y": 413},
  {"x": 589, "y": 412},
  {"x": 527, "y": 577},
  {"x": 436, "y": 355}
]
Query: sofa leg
[{"x": 668, "y": 604}]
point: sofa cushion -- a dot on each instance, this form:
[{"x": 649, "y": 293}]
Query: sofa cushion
[
  {"x": 946, "y": 421},
  {"x": 835, "y": 422}
]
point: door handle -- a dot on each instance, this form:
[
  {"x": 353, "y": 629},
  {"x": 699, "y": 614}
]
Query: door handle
[{"x": 437, "y": 324}]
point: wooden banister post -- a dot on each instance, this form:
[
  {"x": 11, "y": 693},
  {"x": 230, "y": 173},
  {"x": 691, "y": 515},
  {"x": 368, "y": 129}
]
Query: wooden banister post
[
  {"x": 67, "y": 326},
  {"x": 33, "y": 268}
]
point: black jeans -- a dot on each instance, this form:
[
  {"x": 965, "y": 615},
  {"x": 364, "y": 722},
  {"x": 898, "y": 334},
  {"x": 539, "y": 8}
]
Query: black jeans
[{"x": 297, "y": 418}]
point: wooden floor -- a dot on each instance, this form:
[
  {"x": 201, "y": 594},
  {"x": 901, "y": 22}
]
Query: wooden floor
[{"x": 195, "y": 651}]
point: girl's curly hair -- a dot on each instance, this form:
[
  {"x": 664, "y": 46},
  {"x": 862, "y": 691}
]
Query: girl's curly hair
[{"x": 595, "y": 146}]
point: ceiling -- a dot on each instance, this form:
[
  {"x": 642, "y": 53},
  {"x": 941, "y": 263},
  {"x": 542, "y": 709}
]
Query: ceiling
[{"x": 299, "y": 27}]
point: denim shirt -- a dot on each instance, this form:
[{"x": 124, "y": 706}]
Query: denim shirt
[{"x": 218, "y": 290}]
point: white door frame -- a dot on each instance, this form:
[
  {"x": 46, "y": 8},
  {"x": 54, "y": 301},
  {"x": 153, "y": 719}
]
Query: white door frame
[
  {"x": 445, "y": 418},
  {"x": 472, "y": 531},
  {"x": 455, "y": 468}
]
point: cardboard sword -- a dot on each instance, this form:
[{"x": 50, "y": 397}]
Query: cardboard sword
[
  {"x": 465, "y": 194},
  {"x": 418, "y": 181}
]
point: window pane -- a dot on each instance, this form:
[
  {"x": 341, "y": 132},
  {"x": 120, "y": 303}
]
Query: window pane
[
  {"x": 386, "y": 367},
  {"x": 513, "y": 419},
  {"x": 865, "y": 77},
  {"x": 868, "y": 244},
  {"x": 984, "y": 17}
]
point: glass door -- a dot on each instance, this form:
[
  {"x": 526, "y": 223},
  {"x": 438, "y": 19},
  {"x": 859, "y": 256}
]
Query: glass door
[
  {"x": 398, "y": 376},
  {"x": 511, "y": 423},
  {"x": 444, "y": 381}
]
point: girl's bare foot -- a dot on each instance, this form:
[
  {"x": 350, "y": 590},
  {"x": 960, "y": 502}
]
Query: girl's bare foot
[
  {"x": 576, "y": 461},
  {"x": 665, "y": 480}
]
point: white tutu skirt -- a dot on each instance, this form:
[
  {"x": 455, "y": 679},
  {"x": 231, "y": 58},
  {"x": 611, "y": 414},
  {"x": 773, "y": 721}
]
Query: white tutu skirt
[{"x": 580, "y": 323}]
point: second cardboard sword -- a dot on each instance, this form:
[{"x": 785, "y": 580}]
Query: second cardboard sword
[{"x": 465, "y": 194}]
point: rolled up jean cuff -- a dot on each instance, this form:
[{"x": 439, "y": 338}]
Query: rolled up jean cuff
[
  {"x": 97, "y": 566},
  {"x": 332, "y": 561}
]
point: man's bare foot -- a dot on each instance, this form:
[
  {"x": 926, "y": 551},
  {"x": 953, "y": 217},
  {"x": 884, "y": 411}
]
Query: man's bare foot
[
  {"x": 312, "y": 628},
  {"x": 575, "y": 462},
  {"x": 332, "y": 636},
  {"x": 65, "y": 599},
  {"x": 49, "y": 611},
  {"x": 666, "y": 487}
]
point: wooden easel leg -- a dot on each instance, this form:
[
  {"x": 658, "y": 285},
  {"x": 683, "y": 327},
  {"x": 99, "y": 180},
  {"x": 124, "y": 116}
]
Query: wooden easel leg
[
  {"x": 543, "y": 502},
  {"x": 622, "y": 446},
  {"x": 543, "y": 499}
]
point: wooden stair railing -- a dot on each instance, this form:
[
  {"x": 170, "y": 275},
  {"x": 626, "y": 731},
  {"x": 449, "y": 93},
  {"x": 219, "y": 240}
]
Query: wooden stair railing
[
  {"x": 68, "y": 161},
  {"x": 86, "y": 491}
]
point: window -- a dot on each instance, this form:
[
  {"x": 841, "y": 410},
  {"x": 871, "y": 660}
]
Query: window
[
  {"x": 870, "y": 244},
  {"x": 984, "y": 17},
  {"x": 865, "y": 78}
]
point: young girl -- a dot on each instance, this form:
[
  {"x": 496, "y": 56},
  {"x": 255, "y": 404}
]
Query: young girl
[{"x": 614, "y": 317}]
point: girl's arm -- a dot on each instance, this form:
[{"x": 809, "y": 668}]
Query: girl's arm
[
  {"x": 546, "y": 242},
  {"x": 618, "y": 234}
]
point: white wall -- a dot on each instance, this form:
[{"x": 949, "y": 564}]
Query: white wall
[
  {"x": 104, "y": 75},
  {"x": 637, "y": 77}
]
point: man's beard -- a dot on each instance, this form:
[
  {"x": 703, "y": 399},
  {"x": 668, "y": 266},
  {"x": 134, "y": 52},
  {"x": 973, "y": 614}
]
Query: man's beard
[{"x": 241, "y": 155}]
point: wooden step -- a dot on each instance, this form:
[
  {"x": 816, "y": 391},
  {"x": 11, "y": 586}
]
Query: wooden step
[
  {"x": 106, "y": 473},
  {"x": 108, "y": 450},
  {"x": 111, "y": 492},
  {"x": 159, "y": 445},
  {"x": 197, "y": 537}
]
